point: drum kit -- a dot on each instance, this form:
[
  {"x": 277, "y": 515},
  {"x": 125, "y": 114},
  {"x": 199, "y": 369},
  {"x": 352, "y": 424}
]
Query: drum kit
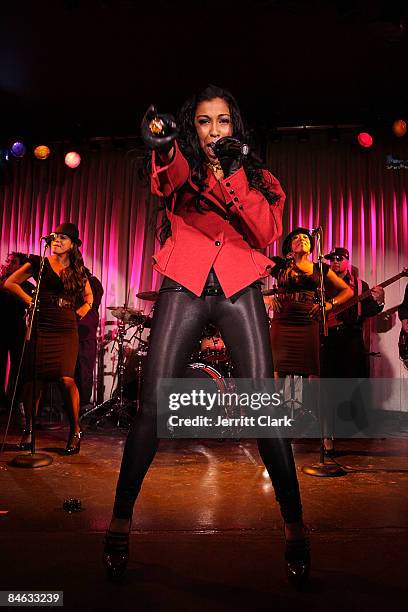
[{"x": 211, "y": 360}]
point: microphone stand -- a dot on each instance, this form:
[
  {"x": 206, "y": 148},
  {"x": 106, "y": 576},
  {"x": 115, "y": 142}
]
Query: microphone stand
[
  {"x": 322, "y": 469},
  {"x": 33, "y": 460}
]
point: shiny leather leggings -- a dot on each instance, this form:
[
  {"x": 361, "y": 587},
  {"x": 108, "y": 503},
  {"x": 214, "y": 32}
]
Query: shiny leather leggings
[{"x": 179, "y": 319}]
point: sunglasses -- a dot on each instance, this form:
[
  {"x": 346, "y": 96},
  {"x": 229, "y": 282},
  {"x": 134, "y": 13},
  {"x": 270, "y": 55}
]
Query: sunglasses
[{"x": 337, "y": 258}]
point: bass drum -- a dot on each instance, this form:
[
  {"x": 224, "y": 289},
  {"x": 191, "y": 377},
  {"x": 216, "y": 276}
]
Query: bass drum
[
  {"x": 203, "y": 370},
  {"x": 133, "y": 373}
]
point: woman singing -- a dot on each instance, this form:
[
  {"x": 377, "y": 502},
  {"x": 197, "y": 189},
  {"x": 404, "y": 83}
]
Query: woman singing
[
  {"x": 55, "y": 330},
  {"x": 295, "y": 333},
  {"x": 221, "y": 207},
  {"x": 295, "y": 328}
]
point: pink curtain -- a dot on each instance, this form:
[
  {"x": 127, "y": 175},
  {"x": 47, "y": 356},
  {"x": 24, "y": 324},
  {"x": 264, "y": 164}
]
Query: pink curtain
[
  {"x": 361, "y": 205},
  {"x": 108, "y": 201},
  {"x": 359, "y": 202}
]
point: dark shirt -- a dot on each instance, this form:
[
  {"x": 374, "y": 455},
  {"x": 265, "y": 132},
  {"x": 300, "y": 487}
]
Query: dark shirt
[
  {"x": 369, "y": 307},
  {"x": 403, "y": 308},
  {"x": 291, "y": 278},
  {"x": 12, "y": 308},
  {"x": 88, "y": 325}
]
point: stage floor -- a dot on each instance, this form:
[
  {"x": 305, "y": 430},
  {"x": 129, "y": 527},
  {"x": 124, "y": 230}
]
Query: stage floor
[{"x": 207, "y": 534}]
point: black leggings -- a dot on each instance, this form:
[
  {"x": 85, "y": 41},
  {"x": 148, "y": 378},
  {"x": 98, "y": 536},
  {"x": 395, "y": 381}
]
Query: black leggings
[{"x": 178, "y": 322}]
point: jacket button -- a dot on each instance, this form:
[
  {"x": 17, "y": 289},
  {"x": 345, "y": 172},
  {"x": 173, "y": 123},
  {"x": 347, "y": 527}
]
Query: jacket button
[
  {"x": 232, "y": 191},
  {"x": 217, "y": 243},
  {"x": 240, "y": 207},
  {"x": 235, "y": 199},
  {"x": 228, "y": 184}
]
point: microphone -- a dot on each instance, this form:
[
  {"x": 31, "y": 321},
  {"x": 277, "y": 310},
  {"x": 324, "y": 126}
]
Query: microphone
[
  {"x": 49, "y": 238},
  {"x": 231, "y": 146},
  {"x": 315, "y": 230}
]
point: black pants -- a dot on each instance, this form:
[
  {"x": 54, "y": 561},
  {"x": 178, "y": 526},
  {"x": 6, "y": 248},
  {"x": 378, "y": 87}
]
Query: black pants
[
  {"x": 84, "y": 369},
  {"x": 179, "y": 319},
  {"x": 11, "y": 343},
  {"x": 344, "y": 354}
]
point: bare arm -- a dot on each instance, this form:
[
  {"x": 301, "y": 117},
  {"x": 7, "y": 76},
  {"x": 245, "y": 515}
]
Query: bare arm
[
  {"x": 14, "y": 281},
  {"x": 88, "y": 301},
  {"x": 344, "y": 291}
]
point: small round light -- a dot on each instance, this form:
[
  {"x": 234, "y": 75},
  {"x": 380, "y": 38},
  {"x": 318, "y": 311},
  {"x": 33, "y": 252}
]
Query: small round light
[
  {"x": 399, "y": 127},
  {"x": 18, "y": 149},
  {"x": 42, "y": 152},
  {"x": 72, "y": 159},
  {"x": 365, "y": 139}
]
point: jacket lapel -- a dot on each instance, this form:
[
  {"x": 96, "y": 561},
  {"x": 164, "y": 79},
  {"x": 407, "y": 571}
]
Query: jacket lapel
[{"x": 207, "y": 195}]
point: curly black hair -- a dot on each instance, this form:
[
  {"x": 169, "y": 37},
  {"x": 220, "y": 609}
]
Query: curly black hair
[
  {"x": 192, "y": 151},
  {"x": 74, "y": 276}
]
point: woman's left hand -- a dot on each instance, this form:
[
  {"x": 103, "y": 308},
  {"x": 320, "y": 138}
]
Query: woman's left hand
[
  {"x": 228, "y": 152},
  {"x": 83, "y": 310}
]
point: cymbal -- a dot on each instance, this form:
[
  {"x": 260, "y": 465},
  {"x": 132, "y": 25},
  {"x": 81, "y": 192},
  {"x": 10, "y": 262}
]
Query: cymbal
[
  {"x": 126, "y": 314},
  {"x": 150, "y": 296},
  {"x": 130, "y": 309}
]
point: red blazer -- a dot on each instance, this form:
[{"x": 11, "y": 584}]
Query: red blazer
[{"x": 239, "y": 221}]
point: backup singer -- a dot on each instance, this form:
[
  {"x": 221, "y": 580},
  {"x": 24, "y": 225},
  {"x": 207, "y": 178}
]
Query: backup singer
[
  {"x": 295, "y": 328},
  {"x": 295, "y": 333},
  {"x": 55, "y": 334},
  {"x": 220, "y": 209}
]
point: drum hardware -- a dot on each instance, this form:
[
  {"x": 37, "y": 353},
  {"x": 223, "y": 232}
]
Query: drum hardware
[
  {"x": 118, "y": 406},
  {"x": 403, "y": 347},
  {"x": 150, "y": 296},
  {"x": 127, "y": 314}
]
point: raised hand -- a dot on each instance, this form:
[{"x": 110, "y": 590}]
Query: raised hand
[{"x": 158, "y": 131}]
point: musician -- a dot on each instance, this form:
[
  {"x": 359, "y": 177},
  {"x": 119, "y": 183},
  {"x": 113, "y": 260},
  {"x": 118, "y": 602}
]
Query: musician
[
  {"x": 403, "y": 312},
  {"x": 87, "y": 331},
  {"x": 345, "y": 354},
  {"x": 222, "y": 208},
  {"x": 12, "y": 325}
]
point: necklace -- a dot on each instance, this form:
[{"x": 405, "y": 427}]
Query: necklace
[{"x": 215, "y": 167}]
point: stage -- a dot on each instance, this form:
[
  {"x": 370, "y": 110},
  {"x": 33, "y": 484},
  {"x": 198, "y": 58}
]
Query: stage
[{"x": 207, "y": 534}]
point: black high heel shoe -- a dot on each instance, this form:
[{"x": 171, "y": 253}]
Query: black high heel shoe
[
  {"x": 25, "y": 442},
  {"x": 116, "y": 553},
  {"x": 297, "y": 556},
  {"x": 74, "y": 443}
]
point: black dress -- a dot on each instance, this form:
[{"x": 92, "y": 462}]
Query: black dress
[
  {"x": 55, "y": 331},
  {"x": 295, "y": 336}
]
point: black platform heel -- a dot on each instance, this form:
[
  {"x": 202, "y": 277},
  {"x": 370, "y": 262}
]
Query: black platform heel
[
  {"x": 297, "y": 557},
  {"x": 116, "y": 553},
  {"x": 74, "y": 443},
  {"x": 25, "y": 442}
]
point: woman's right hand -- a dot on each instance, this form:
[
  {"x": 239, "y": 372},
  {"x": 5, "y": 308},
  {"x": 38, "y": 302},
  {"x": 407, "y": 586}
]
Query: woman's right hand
[
  {"x": 158, "y": 132},
  {"x": 273, "y": 303}
]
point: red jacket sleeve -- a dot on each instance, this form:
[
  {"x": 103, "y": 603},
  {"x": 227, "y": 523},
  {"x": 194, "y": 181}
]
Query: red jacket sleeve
[
  {"x": 261, "y": 220},
  {"x": 165, "y": 180}
]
